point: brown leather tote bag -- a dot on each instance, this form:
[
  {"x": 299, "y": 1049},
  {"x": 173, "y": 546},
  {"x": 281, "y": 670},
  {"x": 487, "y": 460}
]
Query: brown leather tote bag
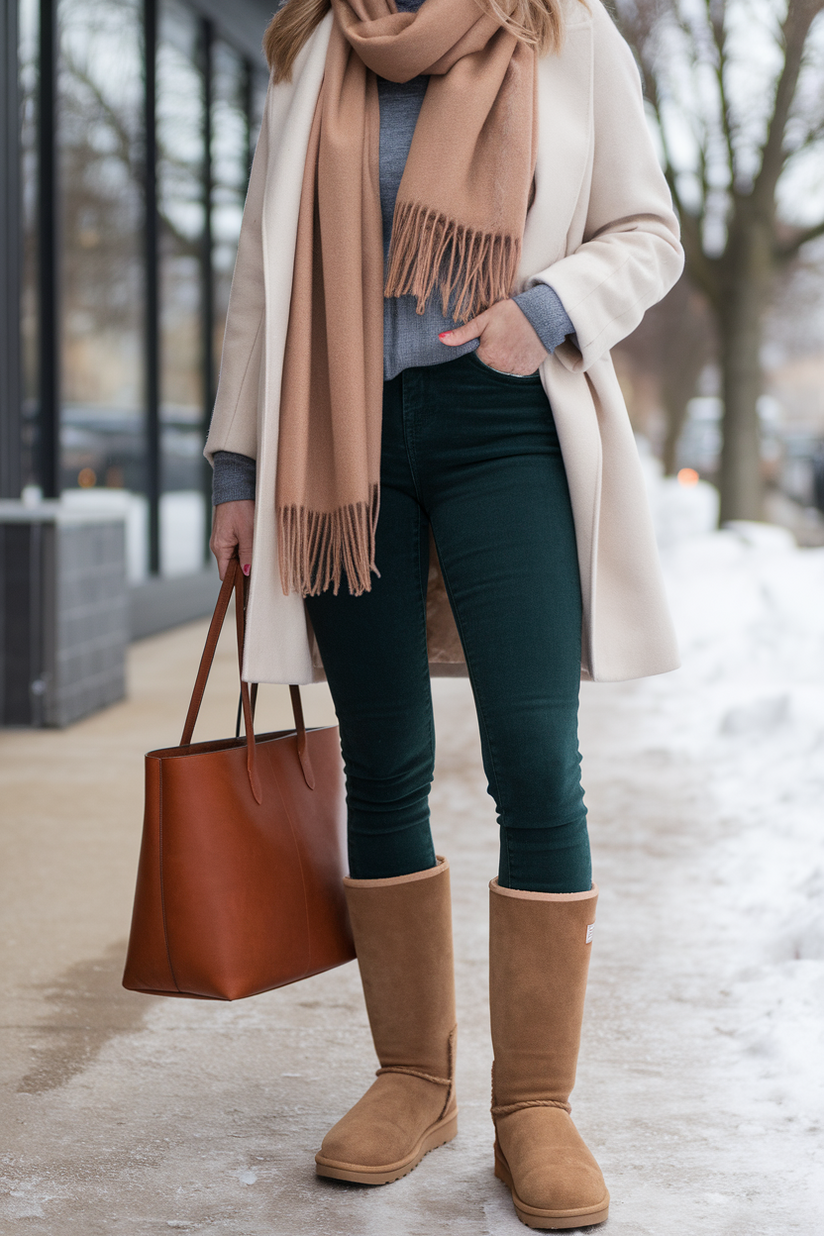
[{"x": 240, "y": 878}]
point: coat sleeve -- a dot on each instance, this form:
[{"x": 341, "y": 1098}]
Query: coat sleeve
[
  {"x": 630, "y": 256},
  {"x": 234, "y": 420}
]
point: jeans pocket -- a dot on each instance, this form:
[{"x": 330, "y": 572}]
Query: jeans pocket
[{"x": 499, "y": 373}]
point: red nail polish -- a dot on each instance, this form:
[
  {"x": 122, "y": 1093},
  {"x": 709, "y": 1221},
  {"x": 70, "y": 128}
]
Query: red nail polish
[
  {"x": 444, "y": 333},
  {"x": 246, "y": 569}
]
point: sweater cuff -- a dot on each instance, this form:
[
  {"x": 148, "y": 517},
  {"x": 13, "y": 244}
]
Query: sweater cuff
[
  {"x": 233, "y": 479},
  {"x": 541, "y": 306}
]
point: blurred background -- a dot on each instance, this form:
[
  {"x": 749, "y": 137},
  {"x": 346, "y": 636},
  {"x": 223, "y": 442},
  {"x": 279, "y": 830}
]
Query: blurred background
[
  {"x": 725, "y": 378},
  {"x": 126, "y": 133}
]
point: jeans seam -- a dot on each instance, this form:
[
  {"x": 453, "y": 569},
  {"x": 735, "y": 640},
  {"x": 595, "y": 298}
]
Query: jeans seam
[
  {"x": 409, "y": 437},
  {"x": 504, "y": 842},
  {"x": 475, "y": 690},
  {"x": 408, "y": 440},
  {"x": 423, "y": 594}
]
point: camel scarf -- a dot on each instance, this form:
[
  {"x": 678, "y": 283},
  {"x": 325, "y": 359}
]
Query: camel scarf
[{"x": 458, "y": 225}]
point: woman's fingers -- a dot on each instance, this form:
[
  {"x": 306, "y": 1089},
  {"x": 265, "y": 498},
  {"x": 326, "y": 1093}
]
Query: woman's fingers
[
  {"x": 232, "y": 533},
  {"x": 244, "y": 540},
  {"x": 508, "y": 341},
  {"x": 463, "y": 334},
  {"x": 224, "y": 554}
]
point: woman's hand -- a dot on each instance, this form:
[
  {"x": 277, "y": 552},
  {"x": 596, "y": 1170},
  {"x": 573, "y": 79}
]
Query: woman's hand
[
  {"x": 508, "y": 341},
  {"x": 232, "y": 530}
]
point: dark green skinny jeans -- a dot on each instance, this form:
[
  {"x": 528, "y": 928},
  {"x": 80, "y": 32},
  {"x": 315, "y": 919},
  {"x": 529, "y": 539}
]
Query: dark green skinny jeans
[{"x": 475, "y": 454}]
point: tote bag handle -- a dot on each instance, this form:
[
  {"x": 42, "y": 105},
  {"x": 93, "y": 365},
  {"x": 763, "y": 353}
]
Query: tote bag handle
[{"x": 234, "y": 581}]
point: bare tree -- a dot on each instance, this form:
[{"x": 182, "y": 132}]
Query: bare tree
[
  {"x": 670, "y": 349},
  {"x": 737, "y": 91}
]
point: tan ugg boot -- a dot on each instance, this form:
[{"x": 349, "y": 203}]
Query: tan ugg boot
[
  {"x": 539, "y": 947},
  {"x": 403, "y": 939}
]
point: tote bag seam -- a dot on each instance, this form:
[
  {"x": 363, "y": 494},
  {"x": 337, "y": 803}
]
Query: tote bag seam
[
  {"x": 162, "y": 880},
  {"x": 308, "y": 934}
]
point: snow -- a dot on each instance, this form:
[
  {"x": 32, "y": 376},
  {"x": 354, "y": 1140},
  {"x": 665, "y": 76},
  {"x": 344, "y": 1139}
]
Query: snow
[
  {"x": 747, "y": 710},
  {"x": 748, "y": 704}
]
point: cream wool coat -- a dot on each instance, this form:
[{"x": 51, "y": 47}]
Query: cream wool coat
[{"x": 601, "y": 232}]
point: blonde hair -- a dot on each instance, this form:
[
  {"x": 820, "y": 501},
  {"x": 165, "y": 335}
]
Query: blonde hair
[{"x": 539, "y": 23}]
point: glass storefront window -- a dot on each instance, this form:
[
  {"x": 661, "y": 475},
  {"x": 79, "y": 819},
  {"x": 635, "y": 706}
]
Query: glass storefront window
[
  {"x": 206, "y": 110},
  {"x": 100, "y": 110},
  {"x": 181, "y": 132},
  {"x": 28, "y": 54},
  {"x": 230, "y": 171}
]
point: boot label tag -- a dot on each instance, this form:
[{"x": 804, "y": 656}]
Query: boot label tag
[{"x": 590, "y": 930}]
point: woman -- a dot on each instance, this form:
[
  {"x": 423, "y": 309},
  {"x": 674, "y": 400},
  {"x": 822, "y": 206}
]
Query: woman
[{"x": 455, "y": 211}]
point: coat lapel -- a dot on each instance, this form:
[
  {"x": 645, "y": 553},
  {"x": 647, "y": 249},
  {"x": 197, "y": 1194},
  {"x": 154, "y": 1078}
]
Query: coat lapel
[{"x": 555, "y": 224}]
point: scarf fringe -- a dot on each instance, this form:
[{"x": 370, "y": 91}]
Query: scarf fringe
[
  {"x": 316, "y": 548},
  {"x": 428, "y": 249}
]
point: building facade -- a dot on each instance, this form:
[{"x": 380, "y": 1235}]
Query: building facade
[{"x": 126, "y": 134}]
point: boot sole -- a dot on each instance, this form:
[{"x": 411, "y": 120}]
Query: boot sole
[
  {"x": 549, "y": 1220},
  {"x": 438, "y": 1135}
]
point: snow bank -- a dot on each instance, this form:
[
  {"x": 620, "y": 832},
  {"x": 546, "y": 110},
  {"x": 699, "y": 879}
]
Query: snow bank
[{"x": 748, "y": 707}]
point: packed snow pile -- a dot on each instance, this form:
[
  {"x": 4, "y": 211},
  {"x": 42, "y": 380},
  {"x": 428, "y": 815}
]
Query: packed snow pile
[
  {"x": 747, "y": 707},
  {"x": 748, "y": 701}
]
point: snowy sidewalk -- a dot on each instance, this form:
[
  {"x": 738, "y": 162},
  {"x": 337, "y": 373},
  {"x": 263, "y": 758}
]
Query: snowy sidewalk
[{"x": 700, "y": 1083}]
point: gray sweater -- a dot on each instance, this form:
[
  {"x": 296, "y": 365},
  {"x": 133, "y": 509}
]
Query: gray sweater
[{"x": 410, "y": 339}]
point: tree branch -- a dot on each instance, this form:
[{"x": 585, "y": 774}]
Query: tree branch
[
  {"x": 788, "y": 250},
  {"x": 702, "y": 269},
  {"x": 794, "y": 31},
  {"x": 719, "y": 38}
]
